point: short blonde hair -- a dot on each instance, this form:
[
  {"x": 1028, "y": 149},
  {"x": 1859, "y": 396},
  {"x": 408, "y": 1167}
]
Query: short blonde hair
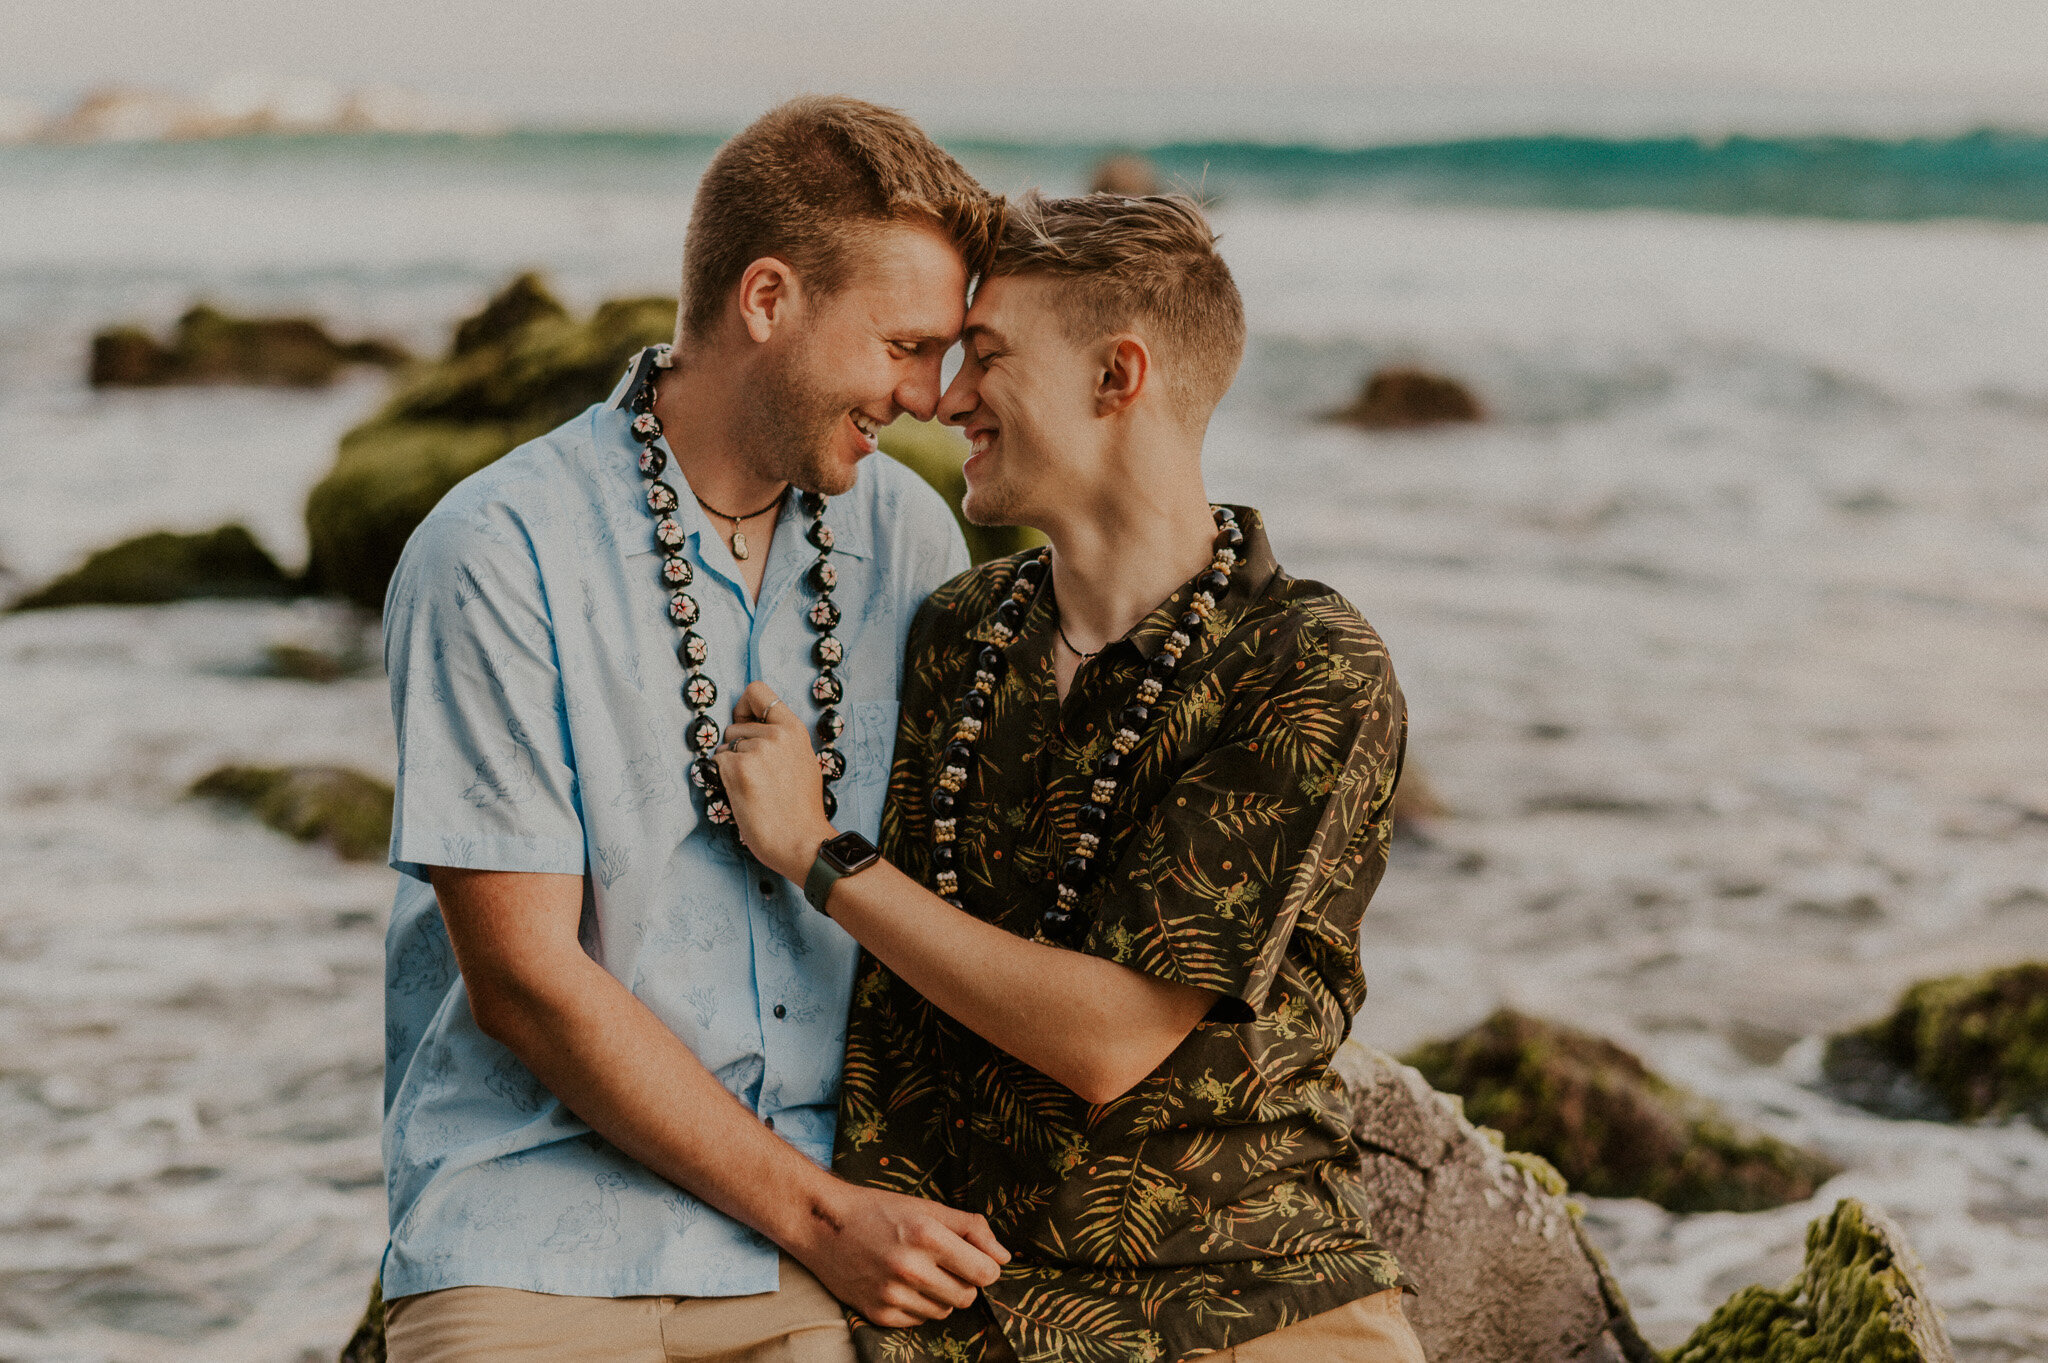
[
  {"x": 1148, "y": 264},
  {"x": 805, "y": 182}
]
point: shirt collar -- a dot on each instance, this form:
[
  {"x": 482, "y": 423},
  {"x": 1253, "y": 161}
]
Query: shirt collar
[
  {"x": 852, "y": 535},
  {"x": 1249, "y": 578}
]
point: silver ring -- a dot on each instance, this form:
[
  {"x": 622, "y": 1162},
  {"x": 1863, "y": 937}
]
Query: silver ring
[{"x": 771, "y": 709}]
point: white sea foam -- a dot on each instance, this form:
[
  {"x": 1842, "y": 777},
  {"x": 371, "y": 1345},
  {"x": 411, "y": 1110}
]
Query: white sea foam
[{"x": 1724, "y": 641}]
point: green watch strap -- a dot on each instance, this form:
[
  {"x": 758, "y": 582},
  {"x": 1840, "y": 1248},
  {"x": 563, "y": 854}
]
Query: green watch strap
[{"x": 818, "y": 884}]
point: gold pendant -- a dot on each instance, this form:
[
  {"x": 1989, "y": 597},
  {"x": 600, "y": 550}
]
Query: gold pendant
[{"x": 739, "y": 545}]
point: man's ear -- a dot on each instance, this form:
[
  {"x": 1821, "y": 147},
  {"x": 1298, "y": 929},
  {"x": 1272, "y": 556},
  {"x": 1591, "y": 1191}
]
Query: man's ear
[
  {"x": 1126, "y": 369},
  {"x": 768, "y": 292}
]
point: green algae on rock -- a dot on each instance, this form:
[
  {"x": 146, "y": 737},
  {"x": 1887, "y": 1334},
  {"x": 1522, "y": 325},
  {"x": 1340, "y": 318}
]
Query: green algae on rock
[
  {"x": 518, "y": 369},
  {"x": 1958, "y": 1048},
  {"x": 1609, "y": 1125},
  {"x": 346, "y": 809},
  {"x": 209, "y": 346},
  {"x": 366, "y": 1345},
  {"x": 155, "y": 568},
  {"x": 1858, "y": 1297},
  {"x": 935, "y": 453},
  {"x": 1399, "y": 399}
]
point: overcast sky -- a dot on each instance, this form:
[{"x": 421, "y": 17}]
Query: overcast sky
[{"x": 1137, "y": 67}]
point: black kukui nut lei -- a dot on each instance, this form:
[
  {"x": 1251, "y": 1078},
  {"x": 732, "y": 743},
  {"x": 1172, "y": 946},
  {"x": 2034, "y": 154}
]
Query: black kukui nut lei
[
  {"x": 1063, "y": 922},
  {"x": 700, "y": 692}
]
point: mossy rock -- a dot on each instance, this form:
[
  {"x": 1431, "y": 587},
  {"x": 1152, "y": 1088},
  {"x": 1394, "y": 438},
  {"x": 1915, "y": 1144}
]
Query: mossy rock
[
  {"x": 527, "y": 367},
  {"x": 346, "y": 809},
  {"x": 1959, "y": 1048},
  {"x": 209, "y": 346},
  {"x": 152, "y": 569},
  {"x": 935, "y": 453},
  {"x": 366, "y": 1345},
  {"x": 1397, "y": 399},
  {"x": 1608, "y": 1124},
  {"x": 1859, "y": 1297}
]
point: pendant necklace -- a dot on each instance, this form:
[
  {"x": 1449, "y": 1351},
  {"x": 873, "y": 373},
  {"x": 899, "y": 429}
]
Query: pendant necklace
[
  {"x": 1062, "y": 922},
  {"x": 738, "y": 540},
  {"x": 700, "y": 692}
]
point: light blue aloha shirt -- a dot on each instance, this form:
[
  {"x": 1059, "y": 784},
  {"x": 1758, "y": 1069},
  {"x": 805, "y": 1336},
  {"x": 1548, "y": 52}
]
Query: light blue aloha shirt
[{"x": 540, "y": 720}]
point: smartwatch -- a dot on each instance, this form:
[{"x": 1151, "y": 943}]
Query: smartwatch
[{"x": 839, "y": 857}]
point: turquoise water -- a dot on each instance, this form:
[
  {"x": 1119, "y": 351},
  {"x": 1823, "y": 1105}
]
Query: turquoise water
[{"x": 1987, "y": 174}]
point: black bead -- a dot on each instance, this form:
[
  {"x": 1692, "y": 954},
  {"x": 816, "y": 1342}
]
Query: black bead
[
  {"x": 1213, "y": 582},
  {"x": 1093, "y": 818},
  {"x": 1112, "y": 762},
  {"x": 1232, "y": 537},
  {"x": 1163, "y": 665},
  {"x": 816, "y": 532},
  {"x": 1074, "y": 871},
  {"x": 818, "y": 575},
  {"x": 704, "y": 775},
  {"x": 975, "y": 704},
  {"x": 831, "y": 762},
  {"x": 831, "y": 803},
  {"x": 831, "y": 724},
  {"x": 702, "y": 735},
  {"x": 992, "y": 660},
  {"x": 1190, "y": 624},
  {"x": 813, "y": 504},
  {"x": 826, "y": 616},
  {"x": 1011, "y": 613},
  {"x": 828, "y": 683},
  {"x": 958, "y": 754},
  {"x": 1032, "y": 571},
  {"x": 943, "y": 803},
  {"x": 945, "y": 857},
  {"x": 1134, "y": 717},
  {"x": 828, "y": 651},
  {"x": 1225, "y": 516},
  {"x": 1060, "y": 926},
  {"x": 954, "y": 900}
]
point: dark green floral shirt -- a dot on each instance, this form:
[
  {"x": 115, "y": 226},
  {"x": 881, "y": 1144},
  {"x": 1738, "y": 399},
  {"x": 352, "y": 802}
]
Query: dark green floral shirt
[{"x": 1220, "y": 1199}]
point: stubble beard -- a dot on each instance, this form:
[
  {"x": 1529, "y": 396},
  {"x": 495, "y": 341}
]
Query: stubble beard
[{"x": 788, "y": 424}]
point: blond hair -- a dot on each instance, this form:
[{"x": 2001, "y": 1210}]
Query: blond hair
[
  {"x": 1147, "y": 264},
  {"x": 805, "y": 182}
]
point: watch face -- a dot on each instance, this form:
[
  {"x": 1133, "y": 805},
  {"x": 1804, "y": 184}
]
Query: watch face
[{"x": 849, "y": 852}]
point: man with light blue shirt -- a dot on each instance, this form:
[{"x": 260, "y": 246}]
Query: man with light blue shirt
[{"x": 613, "y": 1039}]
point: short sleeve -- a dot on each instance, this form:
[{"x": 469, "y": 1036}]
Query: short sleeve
[
  {"x": 1284, "y": 813},
  {"x": 485, "y": 779}
]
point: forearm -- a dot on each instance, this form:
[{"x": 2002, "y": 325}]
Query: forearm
[
  {"x": 617, "y": 1067},
  {"x": 1095, "y": 1026}
]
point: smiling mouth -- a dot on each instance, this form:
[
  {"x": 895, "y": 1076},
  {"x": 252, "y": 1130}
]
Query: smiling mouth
[
  {"x": 870, "y": 430},
  {"x": 978, "y": 442}
]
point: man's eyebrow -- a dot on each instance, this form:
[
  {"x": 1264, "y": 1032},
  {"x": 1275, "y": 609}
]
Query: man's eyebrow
[{"x": 981, "y": 330}]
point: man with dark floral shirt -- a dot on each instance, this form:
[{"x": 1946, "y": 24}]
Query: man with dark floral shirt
[{"x": 1141, "y": 798}]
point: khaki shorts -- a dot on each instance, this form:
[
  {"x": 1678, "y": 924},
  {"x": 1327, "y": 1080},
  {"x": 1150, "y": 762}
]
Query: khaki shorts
[
  {"x": 800, "y": 1323},
  {"x": 1370, "y": 1330}
]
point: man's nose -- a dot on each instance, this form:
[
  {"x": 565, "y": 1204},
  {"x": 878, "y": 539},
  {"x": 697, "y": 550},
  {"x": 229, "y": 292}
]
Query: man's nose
[
  {"x": 960, "y": 399},
  {"x": 919, "y": 393}
]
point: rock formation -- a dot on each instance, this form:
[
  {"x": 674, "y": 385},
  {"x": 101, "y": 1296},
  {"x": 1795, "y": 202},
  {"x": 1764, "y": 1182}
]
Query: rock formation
[
  {"x": 1613, "y": 1128},
  {"x": 1504, "y": 1271},
  {"x": 209, "y": 346},
  {"x": 155, "y": 568},
  {"x": 517, "y": 369},
  {"x": 1859, "y": 1297},
  {"x": 1959, "y": 1048},
  {"x": 1395, "y": 399},
  {"x": 1129, "y": 174},
  {"x": 346, "y": 809}
]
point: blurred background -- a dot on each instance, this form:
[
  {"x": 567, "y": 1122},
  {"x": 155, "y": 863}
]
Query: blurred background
[{"x": 1701, "y": 500}]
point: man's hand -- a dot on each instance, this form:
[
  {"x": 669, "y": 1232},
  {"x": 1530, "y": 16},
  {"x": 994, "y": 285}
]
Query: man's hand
[
  {"x": 899, "y": 1260},
  {"x": 773, "y": 781}
]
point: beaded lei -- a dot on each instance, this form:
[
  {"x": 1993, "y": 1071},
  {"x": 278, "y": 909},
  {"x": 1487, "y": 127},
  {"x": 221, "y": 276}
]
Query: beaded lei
[
  {"x": 1062, "y": 922},
  {"x": 700, "y": 692}
]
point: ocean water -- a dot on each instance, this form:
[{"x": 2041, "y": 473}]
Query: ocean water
[{"x": 1723, "y": 640}]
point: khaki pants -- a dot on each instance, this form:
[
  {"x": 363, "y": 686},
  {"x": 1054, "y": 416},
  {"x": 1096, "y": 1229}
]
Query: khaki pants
[
  {"x": 800, "y": 1323},
  {"x": 1370, "y": 1330}
]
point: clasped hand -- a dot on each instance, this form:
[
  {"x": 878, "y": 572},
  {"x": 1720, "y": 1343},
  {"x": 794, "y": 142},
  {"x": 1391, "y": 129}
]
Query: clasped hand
[{"x": 774, "y": 783}]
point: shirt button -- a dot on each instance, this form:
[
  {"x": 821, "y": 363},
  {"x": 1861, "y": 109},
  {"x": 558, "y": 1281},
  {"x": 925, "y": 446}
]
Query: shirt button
[
  {"x": 780, "y": 1011},
  {"x": 768, "y": 887},
  {"x": 770, "y": 1121}
]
